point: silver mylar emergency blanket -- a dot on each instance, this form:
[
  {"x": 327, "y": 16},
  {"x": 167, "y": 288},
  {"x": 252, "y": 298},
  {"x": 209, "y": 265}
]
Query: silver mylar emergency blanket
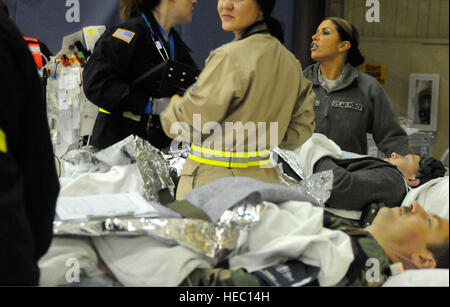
[
  {"x": 318, "y": 185},
  {"x": 153, "y": 168},
  {"x": 176, "y": 157},
  {"x": 289, "y": 157},
  {"x": 206, "y": 238}
]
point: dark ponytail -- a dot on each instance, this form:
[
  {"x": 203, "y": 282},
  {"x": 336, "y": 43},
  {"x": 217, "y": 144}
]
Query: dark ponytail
[
  {"x": 348, "y": 32},
  {"x": 275, "y": 27},
  {"x": 355, "y": 57}
]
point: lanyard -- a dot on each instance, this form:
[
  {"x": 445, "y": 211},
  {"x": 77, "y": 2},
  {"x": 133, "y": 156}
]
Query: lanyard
[
  {"x": 170, "y": 40},
  {"x": 158, "y": 43}
]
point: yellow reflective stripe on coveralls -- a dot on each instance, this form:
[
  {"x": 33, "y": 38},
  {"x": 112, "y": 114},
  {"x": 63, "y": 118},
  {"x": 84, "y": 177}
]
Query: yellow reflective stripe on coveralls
[
  {"x": 3, "y": 147},
  {"x": 128, "y": 115},
  {"x": 227, "y": 154},
  {"x": 229, "y": 159}
]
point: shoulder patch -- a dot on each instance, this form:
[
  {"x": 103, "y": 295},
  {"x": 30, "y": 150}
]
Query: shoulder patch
[{"x": 125, "y": 35}]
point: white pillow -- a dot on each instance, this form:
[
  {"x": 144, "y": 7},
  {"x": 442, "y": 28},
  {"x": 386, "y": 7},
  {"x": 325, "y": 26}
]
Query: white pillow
[
  {"x": 432, "y": 196},
  {"x": 420, "y": 278}
]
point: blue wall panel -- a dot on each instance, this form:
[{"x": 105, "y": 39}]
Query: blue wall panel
[{"x": 46, "y": 19}]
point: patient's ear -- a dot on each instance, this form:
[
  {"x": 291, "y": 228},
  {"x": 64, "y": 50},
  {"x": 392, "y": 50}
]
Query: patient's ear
[
  {"x": 424, "y": 259},
  {"x": 413, "y": 182}
]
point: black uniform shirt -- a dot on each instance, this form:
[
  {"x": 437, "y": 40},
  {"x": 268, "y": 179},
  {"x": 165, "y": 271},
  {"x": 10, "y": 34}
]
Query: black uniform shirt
[{"x": 109, "y": 73}]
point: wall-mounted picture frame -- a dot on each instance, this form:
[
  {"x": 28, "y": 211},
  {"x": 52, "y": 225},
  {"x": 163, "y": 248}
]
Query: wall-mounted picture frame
[{"x": 424, "y": 101}]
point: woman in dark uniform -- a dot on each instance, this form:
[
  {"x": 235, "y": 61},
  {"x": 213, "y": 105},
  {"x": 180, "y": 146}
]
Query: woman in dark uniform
[{"x": 124, "y": 53}]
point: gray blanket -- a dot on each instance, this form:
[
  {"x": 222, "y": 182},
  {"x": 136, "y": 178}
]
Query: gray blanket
[{"x": 223, "y": 194}]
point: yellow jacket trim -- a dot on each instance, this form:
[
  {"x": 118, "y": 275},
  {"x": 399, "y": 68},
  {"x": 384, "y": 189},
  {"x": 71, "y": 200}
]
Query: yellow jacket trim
[
  {"x": 128, "y": 115},
  {"x": 226, "y": 154},
  {"x": 125, "y": 114},
  {"x": 229, "y": 164},
  {"x": 174, "y": 97},
  {"x": 3, "y": 146},
  {"x": 104, "y": 111}
]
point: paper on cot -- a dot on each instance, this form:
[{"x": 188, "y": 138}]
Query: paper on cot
[{"x": 89, "y": 207}]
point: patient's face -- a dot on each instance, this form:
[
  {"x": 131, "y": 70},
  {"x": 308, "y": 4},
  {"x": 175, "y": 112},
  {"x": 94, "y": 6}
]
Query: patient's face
[
  {"x": 411, "y": 228},
  {"x": 408, "y": 165}
]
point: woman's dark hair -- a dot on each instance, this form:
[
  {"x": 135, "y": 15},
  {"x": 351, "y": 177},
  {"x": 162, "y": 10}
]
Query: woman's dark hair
[
  {"x": 4, "y": 8},
  {"x": 275, "y": 27},
  {"x": 429, "y": 169},
  {"x": 133, "y": 8},
  {"x": 348, "y": 32}
]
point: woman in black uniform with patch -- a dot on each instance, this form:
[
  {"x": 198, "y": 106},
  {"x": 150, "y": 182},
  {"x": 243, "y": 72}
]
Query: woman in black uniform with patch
[{"x": 123, "y": 54}]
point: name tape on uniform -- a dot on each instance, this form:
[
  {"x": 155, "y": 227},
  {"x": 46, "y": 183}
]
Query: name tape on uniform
[
  {"x": 347, "y": 105},
  {"x": 125, "y": 35}
]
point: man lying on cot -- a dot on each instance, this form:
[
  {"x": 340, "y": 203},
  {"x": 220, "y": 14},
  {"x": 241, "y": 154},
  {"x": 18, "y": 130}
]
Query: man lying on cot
[
  {"x": 362, "y": 181},
  {"x": 399, "y": 238}
]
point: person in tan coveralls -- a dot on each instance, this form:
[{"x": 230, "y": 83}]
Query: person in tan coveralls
[{"x": 254, "y": 85}]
